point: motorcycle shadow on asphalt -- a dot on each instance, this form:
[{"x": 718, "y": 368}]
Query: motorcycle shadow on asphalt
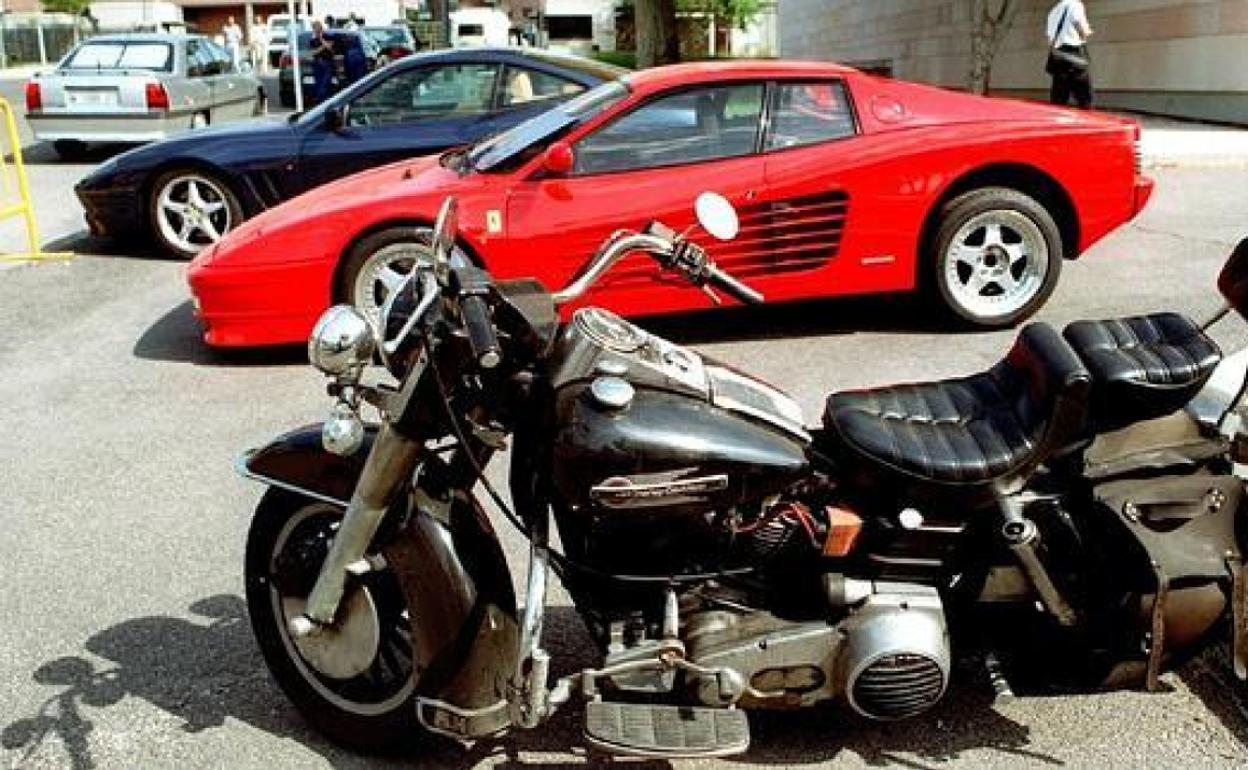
[
  {"x": 206, "y": 670},
  {"x": 177, "y": 337}
]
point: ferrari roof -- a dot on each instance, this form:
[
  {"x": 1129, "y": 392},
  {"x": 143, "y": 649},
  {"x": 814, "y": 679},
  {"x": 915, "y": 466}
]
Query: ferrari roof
[{"x": 694, "y": 72}]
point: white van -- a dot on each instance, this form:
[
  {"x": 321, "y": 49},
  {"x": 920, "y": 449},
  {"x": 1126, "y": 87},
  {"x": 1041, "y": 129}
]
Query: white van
[{"x": 480, "y": 26}]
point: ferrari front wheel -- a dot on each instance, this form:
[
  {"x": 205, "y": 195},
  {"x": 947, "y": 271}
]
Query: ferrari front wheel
[
  {"x": 997, "y": 257},
  {"x": 378, "y": 264}
]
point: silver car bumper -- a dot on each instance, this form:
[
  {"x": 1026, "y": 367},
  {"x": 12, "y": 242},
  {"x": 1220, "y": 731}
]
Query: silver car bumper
[{"x": 108, "y": 127}]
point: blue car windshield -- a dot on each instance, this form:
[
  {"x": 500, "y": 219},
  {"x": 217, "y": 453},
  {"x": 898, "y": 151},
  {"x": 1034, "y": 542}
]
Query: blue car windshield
[{"x": 531, "y": 135}]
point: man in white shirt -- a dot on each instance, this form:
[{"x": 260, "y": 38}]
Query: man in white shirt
[
  {"x": 1068, "y": 30},
  {"x": 233, "y": 40}
]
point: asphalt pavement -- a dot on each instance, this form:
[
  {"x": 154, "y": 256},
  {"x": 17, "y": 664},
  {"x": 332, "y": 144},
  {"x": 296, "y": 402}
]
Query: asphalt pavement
[{"x": 125, "y": 642}]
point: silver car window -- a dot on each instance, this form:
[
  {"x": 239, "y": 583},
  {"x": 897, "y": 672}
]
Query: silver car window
[{"x": 120, "y": 56}]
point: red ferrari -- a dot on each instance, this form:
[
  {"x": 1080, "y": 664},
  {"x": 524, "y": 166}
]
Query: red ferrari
[{"x": 846, "y": 183}]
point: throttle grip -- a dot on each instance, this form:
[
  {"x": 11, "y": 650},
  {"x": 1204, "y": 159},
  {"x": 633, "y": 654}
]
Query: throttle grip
[
  {"x": 731, "y": 285},
  {"x": 480, "y": 327}
]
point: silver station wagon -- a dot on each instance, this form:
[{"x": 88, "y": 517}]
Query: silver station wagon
[{"x": 138, "y": 88}]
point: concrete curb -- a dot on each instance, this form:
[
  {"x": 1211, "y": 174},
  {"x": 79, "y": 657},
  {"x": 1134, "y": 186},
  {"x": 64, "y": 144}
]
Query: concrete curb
[{"x": 1195, "y": 148}]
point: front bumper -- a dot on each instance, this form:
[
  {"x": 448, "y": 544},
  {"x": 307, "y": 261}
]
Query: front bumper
[
  {"x": 108, "y": 127},
  {"x": 112, "y": 212},
  {"x": 256, "y": 306},
  {"x": 1144, "y": 187}
]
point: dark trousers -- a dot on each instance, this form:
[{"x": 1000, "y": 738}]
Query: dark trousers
[{"x": 1071, "y": 83}]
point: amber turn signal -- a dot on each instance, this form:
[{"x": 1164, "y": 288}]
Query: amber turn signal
[{"x": 844, "y": 526}]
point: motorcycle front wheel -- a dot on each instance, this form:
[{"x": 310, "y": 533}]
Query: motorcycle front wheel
[{"x": 358, "y": 686}]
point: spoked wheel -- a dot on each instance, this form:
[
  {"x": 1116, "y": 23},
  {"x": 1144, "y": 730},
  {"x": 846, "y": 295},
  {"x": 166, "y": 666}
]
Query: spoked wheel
[
  {"x": 354, "y": 681},
  {"x": 998, "y": 257},
  {"x": 192, "y": 210},
  {"x": 378, "y": 264}
]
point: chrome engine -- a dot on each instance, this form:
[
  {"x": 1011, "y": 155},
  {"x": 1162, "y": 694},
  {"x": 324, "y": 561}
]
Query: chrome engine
[{"x": 888, "y": 654}]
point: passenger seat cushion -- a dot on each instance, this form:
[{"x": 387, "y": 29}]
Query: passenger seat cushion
[
  {"x": 1143, "y": 366},
  {"x": 972, "y": 430}
]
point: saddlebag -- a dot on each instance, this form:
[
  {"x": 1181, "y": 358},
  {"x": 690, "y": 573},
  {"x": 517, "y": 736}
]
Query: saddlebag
[{"x": 1188, "y": 557}]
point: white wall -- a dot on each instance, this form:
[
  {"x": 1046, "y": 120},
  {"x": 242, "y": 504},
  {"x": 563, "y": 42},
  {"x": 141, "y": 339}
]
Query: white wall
[{"x": 1189, "y": 55}]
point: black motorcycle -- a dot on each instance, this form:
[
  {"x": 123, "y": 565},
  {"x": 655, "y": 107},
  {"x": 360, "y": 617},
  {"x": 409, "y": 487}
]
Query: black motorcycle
[{"x": 1071, "y": 515}]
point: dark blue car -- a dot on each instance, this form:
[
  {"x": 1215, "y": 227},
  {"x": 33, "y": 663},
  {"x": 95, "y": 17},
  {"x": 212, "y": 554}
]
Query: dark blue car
[{"x": 190, "y": 190}]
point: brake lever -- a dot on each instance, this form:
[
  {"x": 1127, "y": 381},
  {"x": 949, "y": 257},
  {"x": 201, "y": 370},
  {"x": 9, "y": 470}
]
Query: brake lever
[{"x": 708, "y": 291}]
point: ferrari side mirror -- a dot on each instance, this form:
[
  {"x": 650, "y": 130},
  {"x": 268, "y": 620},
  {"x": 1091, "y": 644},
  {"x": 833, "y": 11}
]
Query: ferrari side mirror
[{"x": 559, "y": 159}]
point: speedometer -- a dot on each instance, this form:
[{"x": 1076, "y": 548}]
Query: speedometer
[{"x": 609, "y": 330}]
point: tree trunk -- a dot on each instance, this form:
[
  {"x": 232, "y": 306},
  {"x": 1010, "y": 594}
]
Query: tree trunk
[
  {"x": 657, "y": 41},
  {"x": 990, "y": 22}
]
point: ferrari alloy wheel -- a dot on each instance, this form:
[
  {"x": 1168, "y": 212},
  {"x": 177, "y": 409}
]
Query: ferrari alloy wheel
[
  {"x": 998, "y": 255},
  {"x": 191, "y": 211},
  {"x": 355, "y": 680},
  {"x": 378, "y": 265}
]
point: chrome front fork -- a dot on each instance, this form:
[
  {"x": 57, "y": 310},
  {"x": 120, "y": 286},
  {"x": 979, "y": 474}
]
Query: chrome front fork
[
  {"x": 389, "y": 466},
  {"x": 530, "y": 701}
]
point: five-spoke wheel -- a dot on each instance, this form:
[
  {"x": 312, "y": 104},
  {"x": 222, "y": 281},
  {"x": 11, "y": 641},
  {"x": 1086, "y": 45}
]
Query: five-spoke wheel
[
  {"x": 378, "y": 264},
  {"x": 997, "y": 257},
  {"x": 192, "y": 210}
]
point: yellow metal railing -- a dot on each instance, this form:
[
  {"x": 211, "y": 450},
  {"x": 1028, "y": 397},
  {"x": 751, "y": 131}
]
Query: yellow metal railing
[{"x": 16, "y": 181}]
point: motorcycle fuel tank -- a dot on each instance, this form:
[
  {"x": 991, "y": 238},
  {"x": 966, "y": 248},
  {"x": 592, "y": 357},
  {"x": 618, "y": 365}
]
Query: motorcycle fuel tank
[{"x": 648, "y": 427}]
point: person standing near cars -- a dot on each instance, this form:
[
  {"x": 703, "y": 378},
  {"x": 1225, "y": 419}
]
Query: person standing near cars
[
  {"x": 233, "y": 35},
  {"x": 260, "y": 45},
  {"x": 322, "y": 63},
  {"x": 1068, "y": 32}
]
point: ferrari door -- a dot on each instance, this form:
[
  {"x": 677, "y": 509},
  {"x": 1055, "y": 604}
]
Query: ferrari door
[
  {"x": 813, "y": 161},
  {"x": 650, "y": 163},
  {"x": 416, "y": 111}
]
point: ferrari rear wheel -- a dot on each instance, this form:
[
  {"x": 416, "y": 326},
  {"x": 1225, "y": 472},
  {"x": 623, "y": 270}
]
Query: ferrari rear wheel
[
  {"x": 191, "y": 210},
  {"x": 378, "y": 264},
  {"x": 997, "y": 257}
]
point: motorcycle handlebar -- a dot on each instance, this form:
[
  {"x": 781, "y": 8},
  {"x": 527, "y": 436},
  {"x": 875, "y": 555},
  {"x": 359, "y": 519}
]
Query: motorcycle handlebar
[
  {"x": 733, "y": 286},
  {"x": 480, "y": 327}
]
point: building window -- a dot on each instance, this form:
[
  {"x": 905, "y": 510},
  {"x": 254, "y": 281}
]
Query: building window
[{"x": 570, "y": 27}]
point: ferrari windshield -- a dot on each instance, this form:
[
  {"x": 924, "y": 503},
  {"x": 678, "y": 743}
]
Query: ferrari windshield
[{"x": 530, "y": 136}]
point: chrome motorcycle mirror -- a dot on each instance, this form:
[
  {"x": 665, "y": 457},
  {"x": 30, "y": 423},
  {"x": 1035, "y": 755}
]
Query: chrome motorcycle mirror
[{"x": 717, "y": 216}]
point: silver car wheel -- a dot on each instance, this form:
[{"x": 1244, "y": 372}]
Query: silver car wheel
[
  {"x": 996, "y": 264},
  {"x": 192, "y": 212},
  {"x": 383, "y": 272}
]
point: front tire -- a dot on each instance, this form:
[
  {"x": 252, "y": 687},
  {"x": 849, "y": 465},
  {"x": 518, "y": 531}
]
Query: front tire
[
  {"x": 191, "y": 210},
  {"x": 372, "y": 711},
  {"x": 996, "y": 258},
  {"x": 377, "y": 264}
]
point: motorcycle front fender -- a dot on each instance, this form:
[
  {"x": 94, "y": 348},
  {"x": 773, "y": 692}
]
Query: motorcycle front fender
[
  {"x": 298, "y": 462},
  {"x": 451, "y": 567}
]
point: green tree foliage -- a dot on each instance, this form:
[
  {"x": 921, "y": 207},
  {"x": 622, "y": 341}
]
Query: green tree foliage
[
  {"x": 76, "y": 7},
  {"x": 737, "y": 13}
]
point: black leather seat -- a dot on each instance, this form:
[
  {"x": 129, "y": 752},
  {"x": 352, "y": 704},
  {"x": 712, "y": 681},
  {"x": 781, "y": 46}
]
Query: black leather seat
[
  {"x": 988, "y": 430},
  {"x": 1142, "y": 367}
]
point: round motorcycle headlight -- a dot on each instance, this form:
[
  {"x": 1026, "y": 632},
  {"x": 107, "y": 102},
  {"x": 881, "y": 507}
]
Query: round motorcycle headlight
[{"x": 341, "y": 341}]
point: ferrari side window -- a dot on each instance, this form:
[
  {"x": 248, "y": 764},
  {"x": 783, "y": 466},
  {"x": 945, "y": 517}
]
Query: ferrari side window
[
  {"x": 809, "y": 113},
  {"x": 415, "y": 94},
  {"x": 691, "y": 126}
]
